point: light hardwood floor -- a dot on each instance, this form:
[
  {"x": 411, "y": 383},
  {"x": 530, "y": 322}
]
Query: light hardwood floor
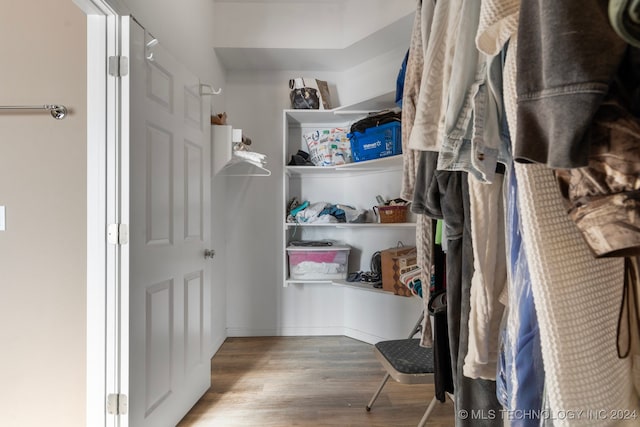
[{"x": 307, "y": 381}]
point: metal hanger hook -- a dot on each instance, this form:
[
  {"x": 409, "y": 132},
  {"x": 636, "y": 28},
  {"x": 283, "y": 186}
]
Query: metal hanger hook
[{"x": 151, "y": 43}]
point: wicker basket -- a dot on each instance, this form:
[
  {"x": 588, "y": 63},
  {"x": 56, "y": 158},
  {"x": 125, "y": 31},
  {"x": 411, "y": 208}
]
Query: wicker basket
[{"x": 391, "y": 214}]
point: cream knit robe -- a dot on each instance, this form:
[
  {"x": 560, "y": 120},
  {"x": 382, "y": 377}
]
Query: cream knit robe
[
  {"x": 410, "y": 94},
  {"x": 577, "y": 299}
]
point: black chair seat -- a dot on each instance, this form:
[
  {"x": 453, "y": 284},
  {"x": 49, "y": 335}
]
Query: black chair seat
[{"x": 407, "y": 356}]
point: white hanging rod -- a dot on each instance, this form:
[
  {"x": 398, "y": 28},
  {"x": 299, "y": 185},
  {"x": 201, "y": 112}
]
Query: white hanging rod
[{"x": 58, "y": 112}]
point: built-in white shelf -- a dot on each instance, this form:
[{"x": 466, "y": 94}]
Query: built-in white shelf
[
  {"x": 361, "y": 286},
  {"x": 224, "y": 162},
  {"x": 390, "y": 163},
  {"x": 358, "y": 183},
  {"x": 340, "y": 115},
  {"x": 341, "y": 283},
  {"x": 354, "y": 225}
]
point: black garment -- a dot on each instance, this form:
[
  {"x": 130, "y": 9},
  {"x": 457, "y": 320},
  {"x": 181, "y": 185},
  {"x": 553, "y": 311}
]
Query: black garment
[
  {"x": 426, "y": 198},
  {"x": 450, "y": 199},
  {"x": 443, "y": 378}
]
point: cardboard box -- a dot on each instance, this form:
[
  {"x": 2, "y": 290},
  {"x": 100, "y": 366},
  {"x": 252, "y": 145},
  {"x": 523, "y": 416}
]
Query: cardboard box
[
  {"x": 406, "y": 261},
  {"x": 392, "y": 260}
]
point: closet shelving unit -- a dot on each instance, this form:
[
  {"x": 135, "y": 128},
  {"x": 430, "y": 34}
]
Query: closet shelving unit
[
  {"x": 224, "y": 162},
  {"x": 355, "y": 184}
]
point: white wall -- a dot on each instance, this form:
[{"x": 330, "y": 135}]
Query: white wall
[
  {"x": 363, "y": 17},
  {"x": 254, "y": 226},
  {"x": 42, "y": 185},
  {"x": 257, "y": 302},
  {"x": 373, "y": 77},
  {"x": 186, "y": 28}
]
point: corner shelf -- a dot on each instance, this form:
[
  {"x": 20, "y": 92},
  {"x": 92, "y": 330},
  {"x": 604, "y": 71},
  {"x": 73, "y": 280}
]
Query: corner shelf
[
  {"x": 355, "y": 225},
  {"x": 341, "y": 283},
  {"x": 311, "y": 306},
  {"x": 339, "y": 115},
  {"x": 224, "y": 162},
  {"x": 385, "y": 164}
]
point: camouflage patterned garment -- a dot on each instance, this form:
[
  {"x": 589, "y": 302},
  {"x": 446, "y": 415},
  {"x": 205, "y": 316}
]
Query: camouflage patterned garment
[{"x": 603, "y": 198}]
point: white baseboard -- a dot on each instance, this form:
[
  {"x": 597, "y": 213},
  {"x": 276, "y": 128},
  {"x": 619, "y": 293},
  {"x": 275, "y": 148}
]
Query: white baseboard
[
  {"x": 306, "y": 331},
  {"x": 251, "y": 332},
  {"x": 215, "y": 344},
  {"x": 285, "y": 332},
  {"x": 362, "y": 336},
  {"x": 311, "y": 331}
]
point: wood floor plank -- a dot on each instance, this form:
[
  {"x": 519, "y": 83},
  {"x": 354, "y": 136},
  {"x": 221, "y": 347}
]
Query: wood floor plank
[{"x": 307, "y": 381}]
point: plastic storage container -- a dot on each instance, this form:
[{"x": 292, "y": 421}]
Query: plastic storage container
[
  {"x": 318, "y": 262},
  {"x": 376, "y": 142}
]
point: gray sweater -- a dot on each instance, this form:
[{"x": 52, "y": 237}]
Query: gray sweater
[{"x": 567, "y": 56}]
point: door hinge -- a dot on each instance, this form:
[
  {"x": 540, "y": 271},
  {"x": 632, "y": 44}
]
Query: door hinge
[
  {"x": 117, "y": 404},
  {"x": 117, "y": 234},
  {"x": 118, "y": 66}
]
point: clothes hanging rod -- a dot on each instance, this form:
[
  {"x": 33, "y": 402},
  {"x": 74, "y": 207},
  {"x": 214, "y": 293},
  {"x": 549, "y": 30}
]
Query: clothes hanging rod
[{"x": 58, "y": 112}]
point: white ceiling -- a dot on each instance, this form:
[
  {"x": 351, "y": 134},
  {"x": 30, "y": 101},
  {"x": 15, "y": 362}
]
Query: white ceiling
[{"x": 393, "y": 36}]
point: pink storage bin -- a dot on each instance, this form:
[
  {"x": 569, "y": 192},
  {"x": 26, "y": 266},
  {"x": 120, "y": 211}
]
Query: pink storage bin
[{"x": 318, "y": 262}]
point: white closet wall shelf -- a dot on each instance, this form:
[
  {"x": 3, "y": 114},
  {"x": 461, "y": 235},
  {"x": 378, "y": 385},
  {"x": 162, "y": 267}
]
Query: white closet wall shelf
[
  {"x": 224, "y": 162},
  {"x": 340, "y": 115},
  {"x": 341, "y": 283},
  {"x": 392, "y": 163},
  {"x": 354, "y": 225}
]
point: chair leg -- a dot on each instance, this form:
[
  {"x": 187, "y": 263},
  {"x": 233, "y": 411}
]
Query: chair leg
[
  {"x": 417, "y": 327},
  {"x": 377, "y": 393},
  {"x": 425, "y": 417}
]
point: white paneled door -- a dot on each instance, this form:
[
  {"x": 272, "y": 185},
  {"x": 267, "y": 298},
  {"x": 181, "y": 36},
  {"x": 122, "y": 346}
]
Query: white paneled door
[{"x": 169, "y": 290}]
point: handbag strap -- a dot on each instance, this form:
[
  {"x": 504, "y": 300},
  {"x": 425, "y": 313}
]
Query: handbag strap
[{"x": 292, "y": 83}]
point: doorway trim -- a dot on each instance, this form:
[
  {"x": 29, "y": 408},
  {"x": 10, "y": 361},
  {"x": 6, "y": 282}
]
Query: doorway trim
[{"x": 105, "y": 272}]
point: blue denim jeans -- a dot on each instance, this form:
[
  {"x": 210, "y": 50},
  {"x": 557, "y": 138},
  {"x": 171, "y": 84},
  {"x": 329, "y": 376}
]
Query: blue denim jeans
[{"x": 472, "y": 123}]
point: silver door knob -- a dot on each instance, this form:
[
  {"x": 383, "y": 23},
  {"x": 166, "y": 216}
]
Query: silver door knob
[{"x": 209, "y": 253}]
